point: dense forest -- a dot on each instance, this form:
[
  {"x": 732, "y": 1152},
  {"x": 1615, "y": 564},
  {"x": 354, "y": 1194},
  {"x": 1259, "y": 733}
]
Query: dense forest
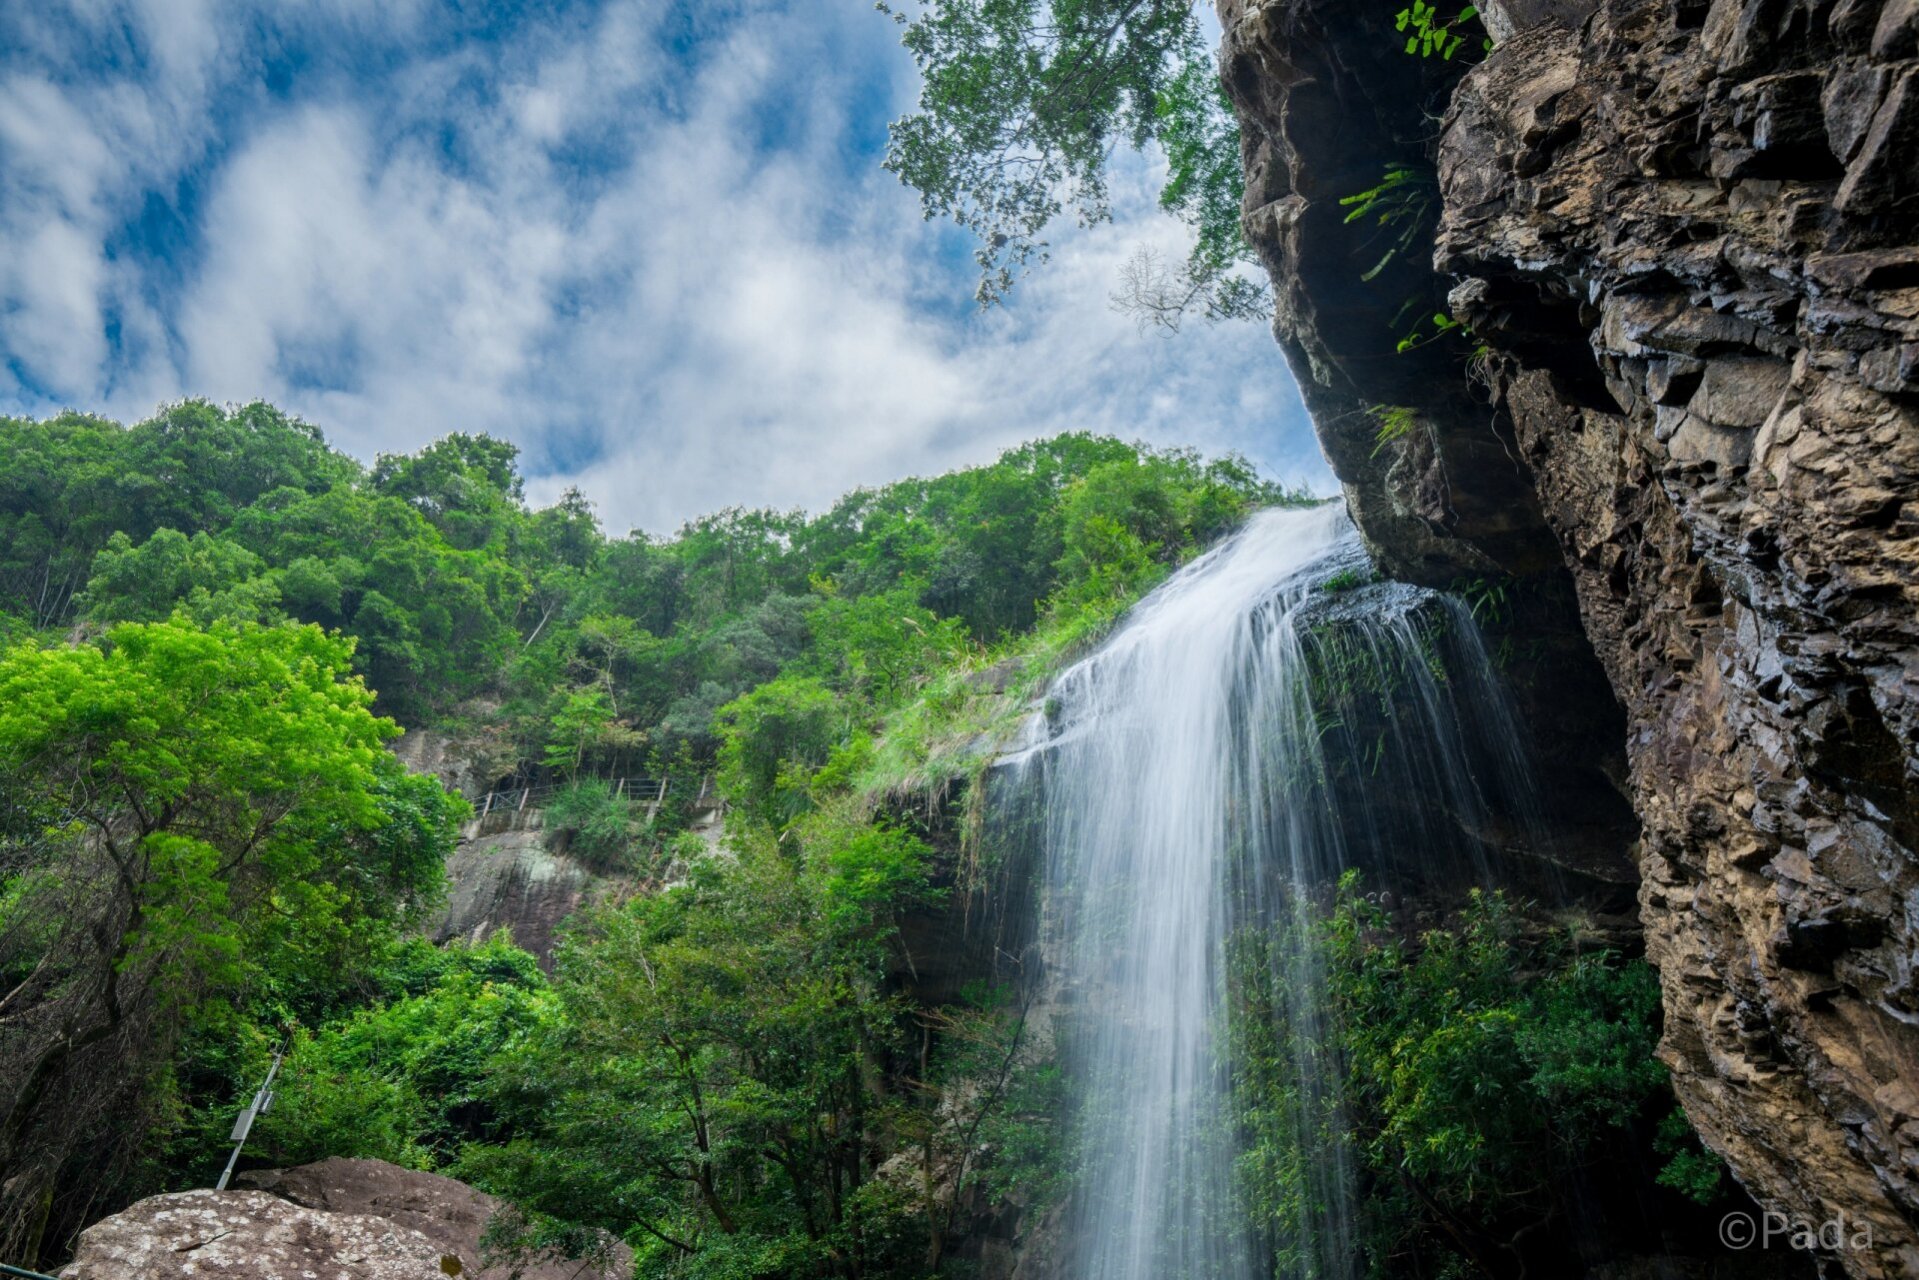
[{"x": 214, "y": 622}]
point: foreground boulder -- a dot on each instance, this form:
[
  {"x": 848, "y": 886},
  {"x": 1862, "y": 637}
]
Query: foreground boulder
[
  {"x": 335, "y": 1220},
  {"x": 249, "y": 1235}
]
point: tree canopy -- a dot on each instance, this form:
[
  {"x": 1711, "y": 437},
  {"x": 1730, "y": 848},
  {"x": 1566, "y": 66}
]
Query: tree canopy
[
  {"x": 206, "y": 849},
  {"x": 194, "y": 815},
  {"x": 1022, "y": 103}
]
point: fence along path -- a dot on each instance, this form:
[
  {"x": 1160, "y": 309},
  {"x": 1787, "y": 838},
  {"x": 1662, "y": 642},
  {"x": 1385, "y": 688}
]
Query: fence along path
[{"x": 647, "y": 791}]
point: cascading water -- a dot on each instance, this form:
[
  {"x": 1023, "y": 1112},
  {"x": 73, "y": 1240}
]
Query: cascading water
[{"x": 1198, "y": 773}]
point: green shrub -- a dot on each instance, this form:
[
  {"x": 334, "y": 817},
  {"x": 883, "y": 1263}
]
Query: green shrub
[
  {"x": 404, "y": 1079},
  {"x": 600, "y": 828}
]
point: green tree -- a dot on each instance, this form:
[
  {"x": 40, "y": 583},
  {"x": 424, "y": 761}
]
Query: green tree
[
  {"x": 193, "y": 814},
  {"x": 1022, "y": 103},
  {"x": 875, "y": 646},
  {"x": 710, "y": 1092},
  {"x": 583, "y": 727},
  {"x": 69, "y": 482},
  {"x": 435, "y": 623},
  {"x": 467, "y": 486},
  {"x": 209, "y": 577},
  {"x": 405, "y": 1077},
  {"x": 772, "y": 740}
]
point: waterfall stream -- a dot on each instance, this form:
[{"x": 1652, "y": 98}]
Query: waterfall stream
[{"x": 1190, "y": 771}]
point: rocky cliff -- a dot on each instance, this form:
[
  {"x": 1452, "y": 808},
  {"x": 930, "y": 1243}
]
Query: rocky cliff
[
  {"x": 508, "y": 871},
  {"x": 1687, "y": 236}
]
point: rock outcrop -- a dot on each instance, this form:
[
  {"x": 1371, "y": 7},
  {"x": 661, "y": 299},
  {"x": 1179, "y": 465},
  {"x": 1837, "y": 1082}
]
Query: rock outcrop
[
  {"x": 335, "y": 1220},
  {"x": 470, "y": 762},
  {"x": 1328, "y": 102},
  {"x": 504, "y": 875},
  {"x": 507, "y": 872},
  {"x": 1687, "y": 232},
  {"x": 249, "y": 1235},
  {"x": 1695, "y": 231}
]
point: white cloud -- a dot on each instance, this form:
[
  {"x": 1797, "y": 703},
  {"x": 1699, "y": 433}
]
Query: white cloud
[{"x": 720, "y": 312}]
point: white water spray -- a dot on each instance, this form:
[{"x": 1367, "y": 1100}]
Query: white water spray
[{"x": 1184, "y": 769}]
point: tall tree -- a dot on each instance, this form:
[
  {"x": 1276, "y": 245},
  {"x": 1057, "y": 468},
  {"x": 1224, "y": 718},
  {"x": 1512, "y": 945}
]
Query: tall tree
[{"x": 190, "y": 814}]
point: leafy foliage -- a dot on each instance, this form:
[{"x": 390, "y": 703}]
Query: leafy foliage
[
  {"x": 1022, "y": 102},
  {"x": 1396, "y": 422},
  {"x": 712, "y": 1093},
  {"x": 405, "y": 1076},
  {"x": 1478, "y": 1072},
  {"x": 205, "y": 849},
  {"x": 601, "y": 828},
  {"x": 1429, "y": 35},
  {"x": 1404, "y": 206},
  {"x": 196, "y": 816}
]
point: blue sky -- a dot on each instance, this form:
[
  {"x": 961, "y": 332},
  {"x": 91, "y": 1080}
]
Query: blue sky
[{"x": 649, "y": 242}]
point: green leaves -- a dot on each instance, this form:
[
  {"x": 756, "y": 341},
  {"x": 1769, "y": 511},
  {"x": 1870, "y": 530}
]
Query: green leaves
[
  {"x": 200, "y": 818},
  {"x": 875, "y": 873},
  {"x": 772, "y": 739},
  {"x": 210, "y": 578},
  {"x": 710, "y": 1092},
  {"x": 584, "y": 725},
  {"x": 230, "y": 768},
  {"x": 406, "y": 1078},
  {"x": 434, "y": 621},
  {"x": 1404, "y": 205},
  {"x": 1430, "y": 34},
  {"x": 1473, "y": 1064},
  {"x": 1022, "y": 101}
]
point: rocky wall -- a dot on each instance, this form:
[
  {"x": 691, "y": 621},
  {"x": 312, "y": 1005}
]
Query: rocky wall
[
  {"x": 1693, "y": 231},
  {"x": 1687, "y": 234}
]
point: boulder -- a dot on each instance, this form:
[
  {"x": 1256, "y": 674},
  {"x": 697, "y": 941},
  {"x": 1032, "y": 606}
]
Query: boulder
[
  {"x": 338, "y": 1219},
  {"x": 249, "y": 1235}
]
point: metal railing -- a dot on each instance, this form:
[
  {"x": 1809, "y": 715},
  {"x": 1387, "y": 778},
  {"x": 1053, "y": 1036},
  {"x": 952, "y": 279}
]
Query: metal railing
[{"x": 647, "y": 791}]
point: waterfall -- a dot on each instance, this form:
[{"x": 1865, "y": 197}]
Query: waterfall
[{"x": 1262, "y": 720}]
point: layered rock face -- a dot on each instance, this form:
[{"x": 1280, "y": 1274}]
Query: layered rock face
[
  {"x": 1695, "y": 231},
  {"x": 1688, "y": 232},
  {"x": 504, "y": 875}
]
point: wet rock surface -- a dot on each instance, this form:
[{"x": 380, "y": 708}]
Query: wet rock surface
[{"x": 1327, "y": 103}]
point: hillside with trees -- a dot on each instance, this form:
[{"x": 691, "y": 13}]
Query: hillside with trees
[{"x": 213, "y": 623}]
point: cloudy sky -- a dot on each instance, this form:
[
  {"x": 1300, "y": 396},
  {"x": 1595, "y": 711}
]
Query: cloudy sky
[{"x": 648, "y": 241}]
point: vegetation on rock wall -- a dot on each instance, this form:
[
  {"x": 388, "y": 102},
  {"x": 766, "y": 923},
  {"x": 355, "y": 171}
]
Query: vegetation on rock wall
[{"x": 1491, "y": 1091}]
